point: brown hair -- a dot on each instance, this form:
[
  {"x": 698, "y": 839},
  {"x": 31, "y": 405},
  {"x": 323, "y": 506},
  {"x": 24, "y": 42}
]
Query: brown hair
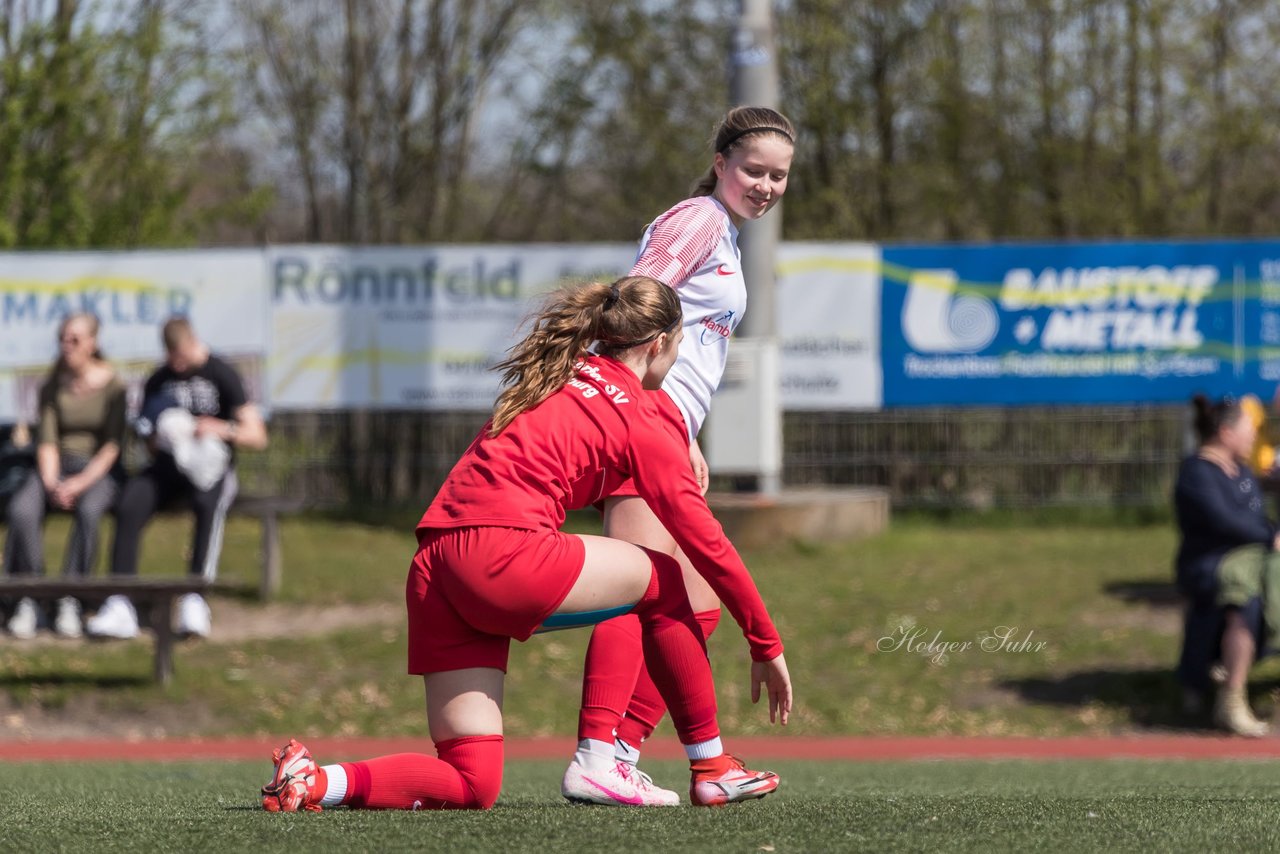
[
  {"x": 632, "y": 311},
  {"x": 739, "y": 126},
  {"x": 59, "y": 371},
  {"x": 175, "y": 331}
]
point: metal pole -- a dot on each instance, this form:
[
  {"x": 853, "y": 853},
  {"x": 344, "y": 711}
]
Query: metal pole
[{"x": 754, "y": 82}]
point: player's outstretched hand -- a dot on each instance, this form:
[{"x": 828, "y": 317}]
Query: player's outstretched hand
[{"x": 777, "y": 682}]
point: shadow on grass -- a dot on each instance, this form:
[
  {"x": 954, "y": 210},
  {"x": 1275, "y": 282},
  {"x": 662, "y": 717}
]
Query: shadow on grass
[
  {"x": 63, "y": 679},
  {"x": 1150, "y": 695},
  {"x": 242, "y": 591},
  {"x": 1158, "y": 594}
]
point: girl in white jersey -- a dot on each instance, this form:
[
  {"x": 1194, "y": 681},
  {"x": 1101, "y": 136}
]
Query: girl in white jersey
[{"x": 693, "y": 247}]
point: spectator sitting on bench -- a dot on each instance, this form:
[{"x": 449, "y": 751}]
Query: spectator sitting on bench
[
  {"x": 212, "y": 392},
  {"x": 82, "y": 422}
]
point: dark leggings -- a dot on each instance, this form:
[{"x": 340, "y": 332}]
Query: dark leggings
[{"x": 161, "y": 485}]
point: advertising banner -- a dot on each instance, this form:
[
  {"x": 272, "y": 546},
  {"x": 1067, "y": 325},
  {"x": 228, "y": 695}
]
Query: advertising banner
[
  {"x": 409, "y": 328},
  {"x": 132, "y": 294},
  {"x": 828, "y": 314},
  {"x": 1080, "y": 323}
]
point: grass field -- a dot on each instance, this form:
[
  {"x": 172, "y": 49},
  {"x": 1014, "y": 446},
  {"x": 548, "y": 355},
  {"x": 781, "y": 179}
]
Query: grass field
[
  {"x": 954, "y": 806},
  {"x": 1090, "y": 607}
]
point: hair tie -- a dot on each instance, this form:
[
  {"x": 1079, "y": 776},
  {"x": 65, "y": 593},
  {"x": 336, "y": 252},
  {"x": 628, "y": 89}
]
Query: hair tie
[
  {"x": 614, "y": 295},
  {"x": 740, "y": 134}
]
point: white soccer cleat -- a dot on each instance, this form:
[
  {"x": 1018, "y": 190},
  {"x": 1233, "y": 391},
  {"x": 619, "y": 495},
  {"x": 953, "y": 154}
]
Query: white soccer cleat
[
  {"x": 194, "y": 616},
  {"x": 22, "y": 624},
  {"x": 607, "y": 782},
  {"x": 115, "y": 619},
  {"x": 725, "y": 781},
  {"x": 67, "y": 622}
]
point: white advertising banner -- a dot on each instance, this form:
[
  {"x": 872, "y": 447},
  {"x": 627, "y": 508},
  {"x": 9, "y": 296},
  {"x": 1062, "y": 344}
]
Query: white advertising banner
[
  {"x": 410, "y": 328},
  {"x": 132, "y": 294},
  {"x": 331, "y": 327},
  {"x": 829, "y": 325}
]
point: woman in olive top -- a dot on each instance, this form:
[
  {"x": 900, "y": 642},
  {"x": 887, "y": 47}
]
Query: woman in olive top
[{"x": 82, "y": 423}]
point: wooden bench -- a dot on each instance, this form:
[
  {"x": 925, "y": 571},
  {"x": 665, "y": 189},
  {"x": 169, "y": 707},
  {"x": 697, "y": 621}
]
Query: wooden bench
[
  {"x": 267, "y": 509},
  {"x": 156, "y": 594}
]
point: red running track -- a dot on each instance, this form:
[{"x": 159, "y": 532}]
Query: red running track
[{"x": 851, "y": 749}]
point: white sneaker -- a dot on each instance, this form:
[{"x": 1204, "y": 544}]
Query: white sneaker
[
  {"x": 115, "y": 619},
  {"x": 22, "y": 624},
  {"x": 597, "y": 780},
  {"x": 194, "y": 617},
  {"x": 67, "y": 623}
]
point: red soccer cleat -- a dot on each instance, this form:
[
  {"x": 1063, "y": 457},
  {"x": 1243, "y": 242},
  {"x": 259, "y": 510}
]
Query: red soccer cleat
[
  {"x": 723, "y": 780},
  {"x": 293, "y": 787}
]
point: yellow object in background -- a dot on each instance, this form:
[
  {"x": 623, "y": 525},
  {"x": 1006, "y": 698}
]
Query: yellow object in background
[{"x": 1263, "y": 457}]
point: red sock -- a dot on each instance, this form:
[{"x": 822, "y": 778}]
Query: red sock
[
  {"x": 468, "y": 775},
  {"x": 676, "y": 653},
  {"x": 615, "y": 658},
  {"x": 715, "y": 766},
  {"x": 646, "y": 708}
]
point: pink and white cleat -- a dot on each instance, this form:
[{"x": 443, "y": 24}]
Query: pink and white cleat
[
  {"x": 293, "y": 786},
  {"x": 608, "y": 782},
  {"x": 723, "y": 780}
]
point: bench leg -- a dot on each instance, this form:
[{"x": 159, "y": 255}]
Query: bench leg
[
  {"x": 271, "y": 557},
  {"x": 162, "y": 624}
]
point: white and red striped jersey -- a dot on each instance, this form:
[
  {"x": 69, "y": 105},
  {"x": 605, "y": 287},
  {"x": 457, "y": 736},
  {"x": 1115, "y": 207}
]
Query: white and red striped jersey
[{"x": 693, "y": 247}]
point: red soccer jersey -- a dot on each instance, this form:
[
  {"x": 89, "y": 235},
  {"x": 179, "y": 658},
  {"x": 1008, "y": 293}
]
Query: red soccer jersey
[{"x": 577, "y": 446}]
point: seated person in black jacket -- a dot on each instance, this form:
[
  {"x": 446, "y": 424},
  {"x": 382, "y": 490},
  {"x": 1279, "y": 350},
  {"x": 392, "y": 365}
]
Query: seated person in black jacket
[{"x": 1219, "y": 509}]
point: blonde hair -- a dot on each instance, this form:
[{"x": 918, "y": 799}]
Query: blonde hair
[
  {"x": 630, "y": 312},
  {"x": 738, "y": 126}
]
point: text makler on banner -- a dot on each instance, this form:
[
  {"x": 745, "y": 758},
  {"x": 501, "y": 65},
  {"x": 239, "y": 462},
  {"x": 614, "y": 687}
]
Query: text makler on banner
[
  {"x": 132, "y": 294},
  {"x": 1080, "y": 323}
]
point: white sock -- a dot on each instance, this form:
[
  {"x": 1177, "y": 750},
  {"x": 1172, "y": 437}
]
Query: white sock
[
  {"x": 704, "y": 749},
  {"x": 337, "y": 786},
  {"x": 624, "y": 752},
  {"x": 592, "y": 751}
]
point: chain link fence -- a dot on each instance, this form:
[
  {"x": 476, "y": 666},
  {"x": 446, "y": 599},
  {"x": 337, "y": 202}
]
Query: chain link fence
[{"x": 972, "y": 458}]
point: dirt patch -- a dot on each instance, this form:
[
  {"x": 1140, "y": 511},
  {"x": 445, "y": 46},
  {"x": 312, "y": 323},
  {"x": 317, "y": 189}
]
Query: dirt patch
[{"x": 236, "y": 622}]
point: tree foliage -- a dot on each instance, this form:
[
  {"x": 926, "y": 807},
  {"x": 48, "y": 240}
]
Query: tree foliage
[
  {"x": 105, "y": 115},
  {"x": 157, "y": 122}
]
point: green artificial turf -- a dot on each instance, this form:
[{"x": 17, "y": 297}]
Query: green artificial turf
[{"x": 821, "y": 807}]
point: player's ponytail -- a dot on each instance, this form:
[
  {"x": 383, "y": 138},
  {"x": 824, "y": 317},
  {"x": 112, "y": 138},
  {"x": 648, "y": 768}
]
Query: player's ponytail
[
  {"x": 735, "y": 130},
  {"x": 627, "y": 313}
]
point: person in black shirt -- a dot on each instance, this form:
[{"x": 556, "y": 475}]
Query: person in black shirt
[
  {"x": 1220, "y": 508},
  {"x": 197, "y": 382}
]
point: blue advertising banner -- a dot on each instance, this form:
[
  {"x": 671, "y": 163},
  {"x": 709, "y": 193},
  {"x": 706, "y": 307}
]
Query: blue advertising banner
[{"x": 1079, "y": 323}]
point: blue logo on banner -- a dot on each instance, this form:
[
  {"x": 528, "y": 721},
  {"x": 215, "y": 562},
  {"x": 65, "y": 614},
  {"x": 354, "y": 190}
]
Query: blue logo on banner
[{"x": 1079, "y": 323}]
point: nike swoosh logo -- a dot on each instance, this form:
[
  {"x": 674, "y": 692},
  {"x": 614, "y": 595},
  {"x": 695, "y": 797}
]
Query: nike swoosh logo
[
  {"x": 724, "y": 271},
  {"x": 634, "y": 800}
]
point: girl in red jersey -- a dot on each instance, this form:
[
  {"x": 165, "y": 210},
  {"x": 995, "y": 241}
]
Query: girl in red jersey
[
  {"x": 569, "y": 427},
  {"x": 693, "y": 247}
]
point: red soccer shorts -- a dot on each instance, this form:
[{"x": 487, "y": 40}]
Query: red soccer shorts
[{"x": 470, "y": 590}]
